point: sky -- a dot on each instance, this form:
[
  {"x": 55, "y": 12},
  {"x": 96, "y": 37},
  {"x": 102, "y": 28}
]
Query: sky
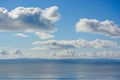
[{"x": 60, "y": 29}]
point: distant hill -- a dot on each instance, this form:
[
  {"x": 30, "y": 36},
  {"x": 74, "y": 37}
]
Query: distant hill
[{"x": 27, "y": 60}]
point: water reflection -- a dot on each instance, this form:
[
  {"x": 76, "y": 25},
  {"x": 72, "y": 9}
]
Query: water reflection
[{"x": 54, "y": 71}]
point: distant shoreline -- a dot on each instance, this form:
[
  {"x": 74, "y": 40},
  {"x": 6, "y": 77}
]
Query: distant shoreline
[{"x": 28, "y": 60}]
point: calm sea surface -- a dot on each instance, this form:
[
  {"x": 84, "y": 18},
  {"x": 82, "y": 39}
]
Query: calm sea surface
[{"x": 59, "y": 71}]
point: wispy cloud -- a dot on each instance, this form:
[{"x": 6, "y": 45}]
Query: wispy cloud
[
  {"x": 107, "y": 27},
  {"x": 21, "y": 35},
  {"x": 43, "y": 35},
  {"x": 67, "y": 44}
]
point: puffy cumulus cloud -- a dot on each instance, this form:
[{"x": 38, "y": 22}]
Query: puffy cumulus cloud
[
  {"x": 107, "y": 27},
  {"x": 21, "y": 35},
  {"x": 22, "y": 19},
  {"x": 51, "y": 14},
  {"x": 43, "y": 35},
  {"x": 9, "y": 53},
  {"x": 67, "y": 44}
]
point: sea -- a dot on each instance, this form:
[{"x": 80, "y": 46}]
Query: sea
[{"x": 70, "y": 69}]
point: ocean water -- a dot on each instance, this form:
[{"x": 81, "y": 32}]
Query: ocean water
[{"x": 59, "y": 71}]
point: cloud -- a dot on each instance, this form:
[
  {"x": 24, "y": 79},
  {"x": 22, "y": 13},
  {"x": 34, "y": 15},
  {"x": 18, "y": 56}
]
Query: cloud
[
  {"x": 10, "y": 51},
  {"x": 65, "y": 53},
  {"x": 21, "y": 35},
  {"x": 71, "y": 44},
  {"x": 51, "y": 14},
  {"x": 22, "y": 19},
  {"x": 70, "y": 53},
  {"x": 6, "y": 53},
  {"x": 43, "y": 35},
  {"x": 107, "y": 27}
]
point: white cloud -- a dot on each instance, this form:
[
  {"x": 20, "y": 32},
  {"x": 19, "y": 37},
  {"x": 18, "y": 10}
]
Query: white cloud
[
  {"x": 22, "y": 19},
  {"x": 21, "y": 35},
  {"x": 65, "y": 53},
  {"x": 43, "y": 35},
  {"x": 69, "y": 53},
  {"x": 51, "y": 14},
  {"x": 10, "y": 53},
  {"x": 71, "y": 44},
  {"x": 108, "y": 28}
]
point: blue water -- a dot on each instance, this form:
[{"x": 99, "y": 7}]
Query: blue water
[{"x": 59, "y": 71}]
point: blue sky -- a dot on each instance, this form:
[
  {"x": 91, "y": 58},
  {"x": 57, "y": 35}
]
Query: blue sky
[{"x": 60, "y": 29}]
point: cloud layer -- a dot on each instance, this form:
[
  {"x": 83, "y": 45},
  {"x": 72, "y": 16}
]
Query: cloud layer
[
  {"x": 108, "y": 28},
  {"x": 93, "y": 55},
  {"x": 71, "y": 44},
  {"x": 66, "y": 53},
  {"x": 22, "y": 19}
]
